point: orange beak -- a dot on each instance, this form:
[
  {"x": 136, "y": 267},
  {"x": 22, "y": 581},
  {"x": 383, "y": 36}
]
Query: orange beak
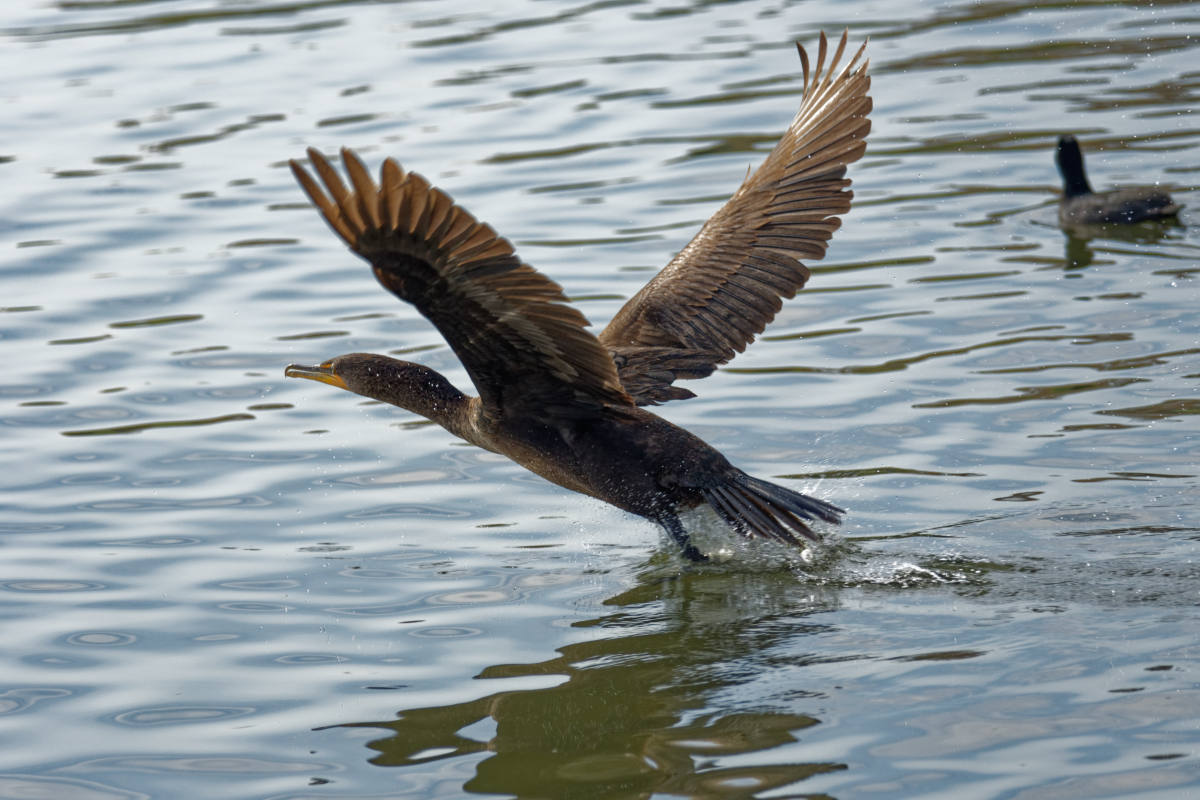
[{"x": 322, "y": 372}]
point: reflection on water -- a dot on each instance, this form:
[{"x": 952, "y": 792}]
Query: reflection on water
[
  {"x": 216, "y": 579},
  {"x": 1082, "y": 242},
  {"x": 630, "y": 712},
  {"x": 714, "y": 684}
]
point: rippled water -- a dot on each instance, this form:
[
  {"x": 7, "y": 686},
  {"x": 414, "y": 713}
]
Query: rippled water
[{"x": 219, "y": 584}]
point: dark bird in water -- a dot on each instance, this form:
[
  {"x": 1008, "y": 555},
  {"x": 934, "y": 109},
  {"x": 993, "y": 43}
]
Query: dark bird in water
[
  {"x": 565, "y": 403},
  {"x": 1081, "y": 206}
]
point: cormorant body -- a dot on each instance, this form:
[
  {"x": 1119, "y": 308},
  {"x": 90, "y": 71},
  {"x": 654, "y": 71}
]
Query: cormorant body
[{"x": 568, "y": 404}]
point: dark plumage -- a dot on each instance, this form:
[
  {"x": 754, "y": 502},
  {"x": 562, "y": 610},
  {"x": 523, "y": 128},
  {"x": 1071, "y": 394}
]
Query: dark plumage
[
  {"x": 1081, "y": 206},
  {"x": 567, "y": 404}
]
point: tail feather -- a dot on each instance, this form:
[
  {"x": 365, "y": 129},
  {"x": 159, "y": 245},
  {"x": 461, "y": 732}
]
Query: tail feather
[
  {"x": 755, "y": 507},
  {"x": 800, "y": 504},
  {"x": 746, "y": 516}
]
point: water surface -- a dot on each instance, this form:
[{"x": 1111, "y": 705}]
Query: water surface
[{"x": 220, "y": 584}]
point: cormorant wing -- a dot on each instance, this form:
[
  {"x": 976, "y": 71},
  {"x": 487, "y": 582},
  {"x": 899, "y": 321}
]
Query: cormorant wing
[
  {"x": 525, "y": 348},
  {"x": 721, "y": 290}
]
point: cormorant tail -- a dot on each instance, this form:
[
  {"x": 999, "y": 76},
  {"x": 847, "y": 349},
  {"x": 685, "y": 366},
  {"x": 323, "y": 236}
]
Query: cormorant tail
[{"x": 755, "y": 507}]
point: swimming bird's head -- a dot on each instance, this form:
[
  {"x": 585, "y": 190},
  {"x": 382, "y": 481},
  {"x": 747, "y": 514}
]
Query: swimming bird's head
[{"x": 1070, "y": 166}]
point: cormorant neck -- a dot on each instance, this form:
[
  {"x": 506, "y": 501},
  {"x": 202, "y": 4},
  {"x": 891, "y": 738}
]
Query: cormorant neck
[
  {"x": 1070, "y": 166},
  {"x": 410, "y": 386}
]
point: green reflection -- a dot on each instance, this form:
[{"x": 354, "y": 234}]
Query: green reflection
[
  {"x": 154, "y": 322},
  {"x": 117, "y": 430},
  {"x": 645, "y": 709},
  {"x": 1083, "y": 242}
]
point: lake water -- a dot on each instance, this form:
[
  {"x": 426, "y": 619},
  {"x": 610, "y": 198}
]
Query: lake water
[{"x": 218, "y": 583}]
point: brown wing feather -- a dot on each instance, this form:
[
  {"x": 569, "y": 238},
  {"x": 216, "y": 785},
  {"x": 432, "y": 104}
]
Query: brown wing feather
[
  {"x": 511, "y": 326},
  {"x": 723, "y": 289}
]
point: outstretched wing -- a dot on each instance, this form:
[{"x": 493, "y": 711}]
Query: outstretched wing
[
  {"x": 721, "y": 290},
  {"x": 511, "y": 326}
]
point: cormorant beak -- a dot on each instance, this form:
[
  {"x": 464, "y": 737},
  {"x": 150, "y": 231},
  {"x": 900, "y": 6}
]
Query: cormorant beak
[{"x": 322, "y": 372}]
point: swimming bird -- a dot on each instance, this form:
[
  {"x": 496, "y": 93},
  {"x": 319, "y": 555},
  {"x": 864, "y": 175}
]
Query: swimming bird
[
  {"x": 1081, "y": 206},
  {"x": 568, "y": 404}
]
